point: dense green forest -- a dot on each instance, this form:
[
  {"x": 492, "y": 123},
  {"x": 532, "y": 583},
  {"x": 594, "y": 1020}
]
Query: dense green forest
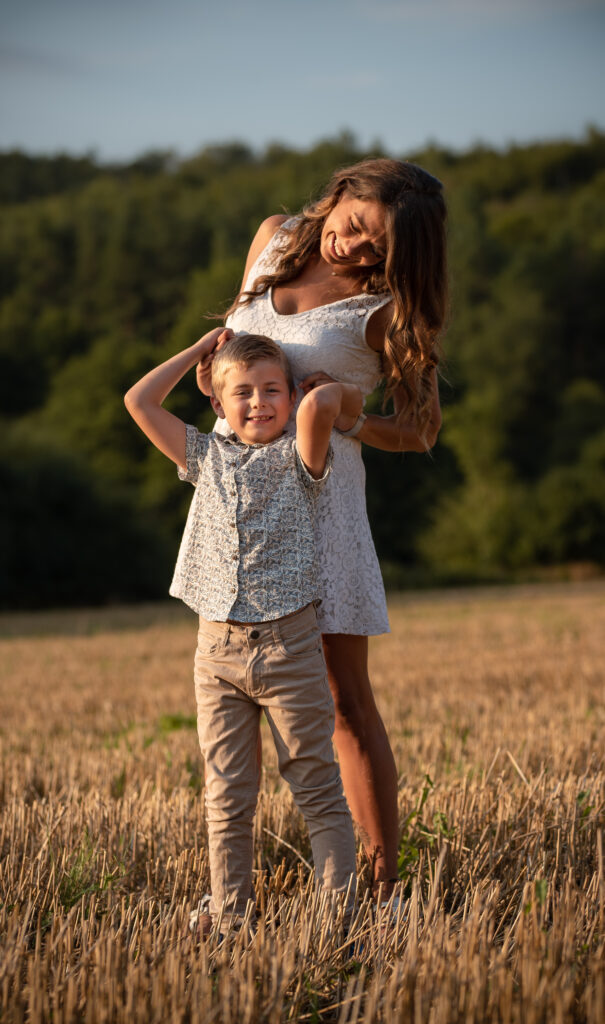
[{"x": 105, "y": 270}]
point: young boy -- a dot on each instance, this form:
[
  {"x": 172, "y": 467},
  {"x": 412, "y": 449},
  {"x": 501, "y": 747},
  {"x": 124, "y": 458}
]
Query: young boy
[{"x": 247, "y": 567}]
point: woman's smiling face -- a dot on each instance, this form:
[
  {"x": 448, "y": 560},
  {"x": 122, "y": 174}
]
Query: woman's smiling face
[{"x": 353, "y": 236}]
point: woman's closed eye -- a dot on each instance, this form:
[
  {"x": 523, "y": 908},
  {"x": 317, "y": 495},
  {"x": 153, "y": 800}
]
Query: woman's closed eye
[{"x": 356, "y": 228}]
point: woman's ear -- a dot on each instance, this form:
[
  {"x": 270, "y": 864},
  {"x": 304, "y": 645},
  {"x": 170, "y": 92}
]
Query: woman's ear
[{"x": 216, "y": 405}]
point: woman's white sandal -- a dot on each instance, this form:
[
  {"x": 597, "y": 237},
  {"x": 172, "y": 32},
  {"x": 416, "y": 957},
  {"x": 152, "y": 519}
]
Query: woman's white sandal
[
  {"x": 391, "y": 912},
  {"x": 230, "y": 926},
  {"x": 200, "y": 921}
]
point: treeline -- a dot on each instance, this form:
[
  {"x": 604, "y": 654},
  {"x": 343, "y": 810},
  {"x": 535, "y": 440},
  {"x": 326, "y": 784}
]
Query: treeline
[{"x": 105, "y": 270}]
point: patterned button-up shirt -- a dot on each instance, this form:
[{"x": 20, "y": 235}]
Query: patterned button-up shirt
[{"x": 248, "y": 550}]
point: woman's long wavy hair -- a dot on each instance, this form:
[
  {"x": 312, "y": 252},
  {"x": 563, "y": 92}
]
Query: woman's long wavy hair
[{"x": 414, "y": 270}]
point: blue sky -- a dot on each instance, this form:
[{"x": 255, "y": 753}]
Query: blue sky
[{"x": 120, "y": 77}]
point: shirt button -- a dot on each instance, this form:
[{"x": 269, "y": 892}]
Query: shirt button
[
  {"x": 233, "y": 590},
  {"x": 234, "y": 558}
]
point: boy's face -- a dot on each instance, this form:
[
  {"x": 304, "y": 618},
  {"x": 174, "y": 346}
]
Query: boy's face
[{"x": 256, "y": 401}]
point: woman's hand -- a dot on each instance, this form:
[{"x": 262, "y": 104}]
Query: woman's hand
[
  {"x": 209, "y": 346},
  {"x": 314, "y": 380}
]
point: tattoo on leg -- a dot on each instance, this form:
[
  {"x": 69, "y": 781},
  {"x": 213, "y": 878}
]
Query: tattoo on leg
[{"x": 366, "y": 842}]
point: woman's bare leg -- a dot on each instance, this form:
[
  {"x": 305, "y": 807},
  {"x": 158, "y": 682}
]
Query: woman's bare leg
[{"x": 366, "y": 761}]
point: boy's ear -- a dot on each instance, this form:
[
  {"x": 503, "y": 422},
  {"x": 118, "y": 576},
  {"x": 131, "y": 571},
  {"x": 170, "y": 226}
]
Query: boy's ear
[{"x": 216, "y": 405}]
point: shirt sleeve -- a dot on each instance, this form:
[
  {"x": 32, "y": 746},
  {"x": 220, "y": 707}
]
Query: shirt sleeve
[
  {"x": 196, "y": 445},
  {"x": 308, "y": 480}
]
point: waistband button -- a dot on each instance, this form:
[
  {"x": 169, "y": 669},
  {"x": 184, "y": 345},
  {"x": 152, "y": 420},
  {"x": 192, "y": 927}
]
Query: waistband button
[{"x": 254, "y": 635}]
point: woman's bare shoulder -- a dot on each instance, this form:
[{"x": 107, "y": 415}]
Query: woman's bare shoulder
[
  {"x": 273, "y": 222},
  {"x": 262, "y": 238},
  {"x": 268, "y": 228}
]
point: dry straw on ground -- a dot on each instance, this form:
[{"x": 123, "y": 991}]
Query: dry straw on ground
[{"x": 495, "y": 703}]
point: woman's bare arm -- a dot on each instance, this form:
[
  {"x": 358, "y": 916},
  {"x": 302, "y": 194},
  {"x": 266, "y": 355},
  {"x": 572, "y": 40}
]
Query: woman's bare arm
[{"x": 385, "y": 433}]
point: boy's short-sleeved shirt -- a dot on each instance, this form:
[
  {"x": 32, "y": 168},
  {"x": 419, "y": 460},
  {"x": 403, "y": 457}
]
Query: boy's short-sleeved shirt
[{"x": 248, "y": 549}]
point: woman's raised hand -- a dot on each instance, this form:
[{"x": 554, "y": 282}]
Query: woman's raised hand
[
  {"x": 314, "y": 380},
  {"x": 203, "y": 370}
]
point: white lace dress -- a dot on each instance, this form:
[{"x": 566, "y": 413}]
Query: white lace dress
[{"x": 331, "y": 338}]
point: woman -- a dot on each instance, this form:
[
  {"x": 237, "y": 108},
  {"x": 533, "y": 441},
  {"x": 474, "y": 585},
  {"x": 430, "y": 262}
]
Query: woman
[{"x": 354, "y": 288}]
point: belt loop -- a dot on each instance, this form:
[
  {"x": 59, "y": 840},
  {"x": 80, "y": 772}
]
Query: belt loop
[{"x": 276, "y": 632}]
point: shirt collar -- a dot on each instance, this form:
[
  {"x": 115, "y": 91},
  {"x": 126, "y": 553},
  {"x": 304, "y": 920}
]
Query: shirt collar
[{"x": 234, "y": 440}]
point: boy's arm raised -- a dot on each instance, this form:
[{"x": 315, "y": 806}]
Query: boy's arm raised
[
  {"x": 144, "y": 400},
  {"x": 317, "y": 413}
]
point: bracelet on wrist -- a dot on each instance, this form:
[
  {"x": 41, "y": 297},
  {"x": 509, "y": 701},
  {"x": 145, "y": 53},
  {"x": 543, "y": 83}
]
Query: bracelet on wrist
[{"x": 355, "y": 429}]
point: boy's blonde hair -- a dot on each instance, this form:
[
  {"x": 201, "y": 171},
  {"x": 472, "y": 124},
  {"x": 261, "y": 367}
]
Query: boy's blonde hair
[{"x": 246, "y": 350}]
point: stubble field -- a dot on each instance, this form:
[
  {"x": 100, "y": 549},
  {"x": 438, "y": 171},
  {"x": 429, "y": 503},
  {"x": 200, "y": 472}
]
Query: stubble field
[{"x": 495, "y": 704}]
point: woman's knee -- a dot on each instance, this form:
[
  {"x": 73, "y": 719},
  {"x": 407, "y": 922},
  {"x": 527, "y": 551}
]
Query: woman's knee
[
  {"x": 355, "y": 710},
  {"x": 354, "y": 705}
]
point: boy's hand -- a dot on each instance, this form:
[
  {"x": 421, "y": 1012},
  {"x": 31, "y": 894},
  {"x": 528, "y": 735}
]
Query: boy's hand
[
  {"x": 144, "y": 400},
  {"x": 315, "y": 380},
  {"x": 209, "y": 344}
]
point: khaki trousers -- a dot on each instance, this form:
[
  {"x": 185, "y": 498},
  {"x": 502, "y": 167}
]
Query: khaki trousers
[{"x": 276, "y": 667}]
